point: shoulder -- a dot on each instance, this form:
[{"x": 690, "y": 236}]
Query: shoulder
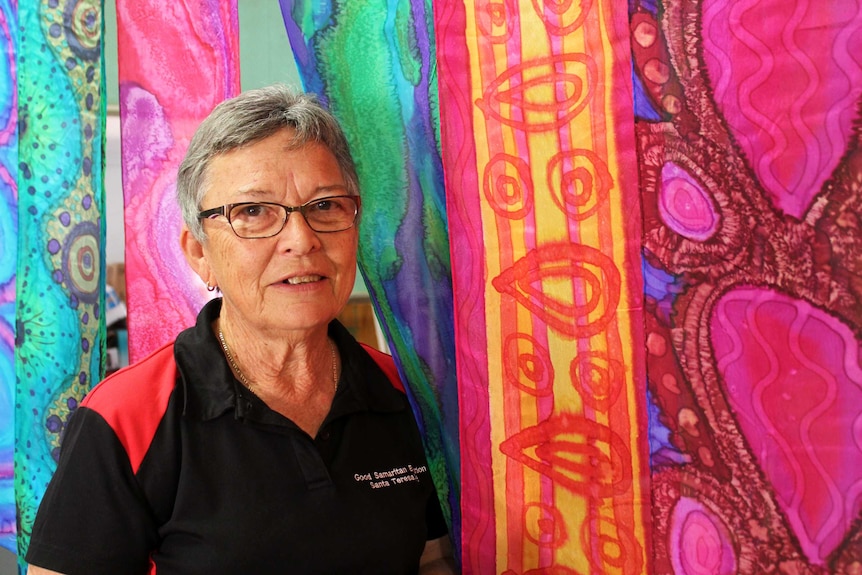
[
  {"x": 147, "y": 382},
  {"x": 133, "y": 401},
  {"x": 385, "y": 362},
  {"x": 371, "y": 373}
]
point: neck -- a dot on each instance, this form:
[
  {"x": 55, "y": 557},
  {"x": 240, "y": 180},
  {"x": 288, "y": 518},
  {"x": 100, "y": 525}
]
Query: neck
[{"x": 311, "y": 367}]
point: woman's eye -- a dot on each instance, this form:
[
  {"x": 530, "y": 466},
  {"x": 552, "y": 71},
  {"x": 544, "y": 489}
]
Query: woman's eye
[
  {"x": 253, "y": 210},
  {"x": 332, "y": 205}
]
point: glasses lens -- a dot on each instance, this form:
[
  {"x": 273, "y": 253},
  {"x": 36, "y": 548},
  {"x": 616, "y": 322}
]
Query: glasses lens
[
  {"x": 331, "y": 214},
  {"x": 256, "y": 220}
]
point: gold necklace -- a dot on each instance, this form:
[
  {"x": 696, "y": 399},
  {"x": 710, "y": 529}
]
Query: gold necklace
[
  {"x": 249, "y": 385},
  {"x": 334, "y": 366}
]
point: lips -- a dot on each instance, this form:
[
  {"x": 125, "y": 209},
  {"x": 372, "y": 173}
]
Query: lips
[{"x": 297, "y": 280}]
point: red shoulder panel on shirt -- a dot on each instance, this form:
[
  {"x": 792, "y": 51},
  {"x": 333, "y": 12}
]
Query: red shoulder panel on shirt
[
  {"x": 134, "y": 399},
  {"x": 387, "y": 364}
]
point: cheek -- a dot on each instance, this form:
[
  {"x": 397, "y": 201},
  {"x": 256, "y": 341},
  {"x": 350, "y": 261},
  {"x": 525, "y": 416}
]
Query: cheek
[
  {"x": 232, "y": 264},
  {"x": 344, "y": 250},
  {"x": 344, "y": 256}
]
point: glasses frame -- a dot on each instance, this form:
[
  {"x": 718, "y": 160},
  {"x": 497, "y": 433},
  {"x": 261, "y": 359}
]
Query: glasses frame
[{"x": 226, "y": 209}]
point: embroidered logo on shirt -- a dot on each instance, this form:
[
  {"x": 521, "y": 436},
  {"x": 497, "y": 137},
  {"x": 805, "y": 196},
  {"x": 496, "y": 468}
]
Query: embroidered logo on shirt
[{"x": 391, "y": 477}]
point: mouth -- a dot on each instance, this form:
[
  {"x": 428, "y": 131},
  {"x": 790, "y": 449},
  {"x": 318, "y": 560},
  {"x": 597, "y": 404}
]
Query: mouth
[{"x": 298, "y": 280}]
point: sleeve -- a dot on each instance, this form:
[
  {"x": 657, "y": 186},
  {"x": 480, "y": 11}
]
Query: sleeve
[
  {"x": 94, "y": 518},
  {"x": 434, "y": 521}
]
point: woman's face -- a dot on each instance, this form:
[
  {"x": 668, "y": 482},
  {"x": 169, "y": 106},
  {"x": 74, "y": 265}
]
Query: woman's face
[{"x": 297, "y": 280}]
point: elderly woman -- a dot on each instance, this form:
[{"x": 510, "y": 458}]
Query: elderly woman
[{"x": 265, "y": 439}]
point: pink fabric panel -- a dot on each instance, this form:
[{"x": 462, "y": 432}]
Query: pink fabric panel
[
  {"x": 459, "y": 158},
  {"x": 177, "y": 60},
  {"x": 750, "y": 160}
]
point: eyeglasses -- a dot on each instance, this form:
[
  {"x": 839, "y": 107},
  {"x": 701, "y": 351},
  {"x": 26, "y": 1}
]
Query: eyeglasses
[{"x": 256, "y": 220}]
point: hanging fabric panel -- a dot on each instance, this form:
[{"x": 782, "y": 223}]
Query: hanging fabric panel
[
  {"x": 60, "y": 330},
  {"x": 750, "y": 161},
  {"x": 8, "y": 264},
  {"x": 373, "y": 63},
  {"x": 544, "y": 224},
  {"x": 177, "y": 61}
]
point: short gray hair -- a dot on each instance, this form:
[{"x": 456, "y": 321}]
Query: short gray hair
[{"x": 246, "y": 119}]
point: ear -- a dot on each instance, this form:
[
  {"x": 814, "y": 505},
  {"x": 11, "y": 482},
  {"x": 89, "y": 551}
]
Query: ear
[{"x": 193, "y": 250}]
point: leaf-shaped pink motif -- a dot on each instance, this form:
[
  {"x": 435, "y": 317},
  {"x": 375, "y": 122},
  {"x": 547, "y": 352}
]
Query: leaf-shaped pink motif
[
  {"x": 793, "y": 378},
  {"x": 787, "y": 78},
  {"x": 685, "y": 206},
  {"x": 700, "y": 542}
]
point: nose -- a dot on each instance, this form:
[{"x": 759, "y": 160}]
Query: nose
[{"x": 297, "y": 236}]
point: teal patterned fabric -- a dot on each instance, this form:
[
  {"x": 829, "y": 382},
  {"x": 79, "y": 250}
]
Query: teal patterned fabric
[{"x": 60, "y": 332}]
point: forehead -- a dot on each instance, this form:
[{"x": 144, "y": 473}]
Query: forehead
[
  {"x": 282, "y": 144},
  {"x": 274, "y": 165}
]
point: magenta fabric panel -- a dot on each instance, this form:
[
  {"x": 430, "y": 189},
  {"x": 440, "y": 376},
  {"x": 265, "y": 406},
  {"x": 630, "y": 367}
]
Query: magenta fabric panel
[
  {"x": 8, "y": 265},
  {"x": 458, "y": 151},
  {"x": 751, "y": 177},
  {"x": 177, "y": 60}
]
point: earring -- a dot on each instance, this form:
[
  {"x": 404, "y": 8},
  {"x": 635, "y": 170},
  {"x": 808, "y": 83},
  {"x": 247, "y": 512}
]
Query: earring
[{"x": 211, "y": 288}]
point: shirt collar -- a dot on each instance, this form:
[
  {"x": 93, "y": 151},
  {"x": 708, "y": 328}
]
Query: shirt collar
[{"x": 209, "y": 388}]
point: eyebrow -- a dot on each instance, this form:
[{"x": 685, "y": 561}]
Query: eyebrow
[
  {"x": 254, "y": 192},
  {"x": 319, "y": 191},
  {"x": 334, "y": 187}
]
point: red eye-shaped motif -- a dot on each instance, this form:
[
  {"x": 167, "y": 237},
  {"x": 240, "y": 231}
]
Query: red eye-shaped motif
[
  {"x": 495, "y": 21},
  {"x": 598, "y": 377},
  {"x": 574, "y": 288},
  {"x": 545, "y": 525},
  {"x": 508, "y": 186},
  {"x": 580, "y": 182},
  {"x": 561, "y": 17},
  {"x": 542, "y": 94},
  {"x": 528, "y": 365},
  {"x": 580, "y": 455}
]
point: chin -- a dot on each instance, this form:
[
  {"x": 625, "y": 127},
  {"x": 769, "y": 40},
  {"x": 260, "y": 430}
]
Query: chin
[{"x": 306, "y": 319}]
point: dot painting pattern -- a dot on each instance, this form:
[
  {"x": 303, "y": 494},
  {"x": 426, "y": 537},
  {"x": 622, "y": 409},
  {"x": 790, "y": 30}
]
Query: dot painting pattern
[{"x": 59, "y": 329}]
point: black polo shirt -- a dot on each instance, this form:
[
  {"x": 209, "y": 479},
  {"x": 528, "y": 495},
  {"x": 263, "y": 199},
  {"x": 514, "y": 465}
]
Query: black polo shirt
[{"x": 170, "y": 466}]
